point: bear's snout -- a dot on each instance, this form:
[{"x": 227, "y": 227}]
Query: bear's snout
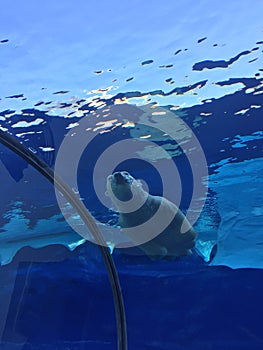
[
  {"x": 119, "y": 178},
  {"x": 118, "y": 175},
  {"x": 122, "y": 178}
]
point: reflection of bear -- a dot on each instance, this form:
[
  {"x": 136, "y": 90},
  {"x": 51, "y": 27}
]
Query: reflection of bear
[{"x": 136, "y": 207}]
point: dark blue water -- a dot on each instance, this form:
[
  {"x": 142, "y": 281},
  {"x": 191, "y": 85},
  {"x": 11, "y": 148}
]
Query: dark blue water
[{"x": 183, "y": 305}]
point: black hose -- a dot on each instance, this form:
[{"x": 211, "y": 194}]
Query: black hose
[{"x": 13, "y": 144}]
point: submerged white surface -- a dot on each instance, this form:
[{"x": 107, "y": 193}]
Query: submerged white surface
[
  {"x": 46, "y": 232},
  {"x": 239, "y": 240}
]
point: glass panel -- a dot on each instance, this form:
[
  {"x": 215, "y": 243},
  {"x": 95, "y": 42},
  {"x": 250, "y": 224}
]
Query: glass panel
[{"x": 44, "y": 264}]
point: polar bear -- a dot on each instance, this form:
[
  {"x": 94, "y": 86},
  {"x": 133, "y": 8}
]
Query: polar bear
[{"x": 153, "y": 223}]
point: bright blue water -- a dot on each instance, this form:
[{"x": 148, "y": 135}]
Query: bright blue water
[{"x": 61, "y": 64}]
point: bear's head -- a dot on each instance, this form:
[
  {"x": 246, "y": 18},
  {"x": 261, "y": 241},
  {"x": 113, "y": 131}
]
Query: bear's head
[{"x": 125, "y": 192}]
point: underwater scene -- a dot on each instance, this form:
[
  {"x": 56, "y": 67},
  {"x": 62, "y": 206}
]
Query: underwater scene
[{"x": 131, "y": 165}]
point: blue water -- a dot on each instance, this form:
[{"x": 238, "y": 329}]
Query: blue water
[
  {"x": 184, "y": 305},
  {"x": 99, "y": 65}
]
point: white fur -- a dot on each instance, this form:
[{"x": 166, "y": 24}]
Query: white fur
[{"x": 152, "y": 222}]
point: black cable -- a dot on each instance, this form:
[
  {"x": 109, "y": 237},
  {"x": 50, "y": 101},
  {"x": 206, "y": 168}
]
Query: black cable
[{"x": 13, "y": 144}]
